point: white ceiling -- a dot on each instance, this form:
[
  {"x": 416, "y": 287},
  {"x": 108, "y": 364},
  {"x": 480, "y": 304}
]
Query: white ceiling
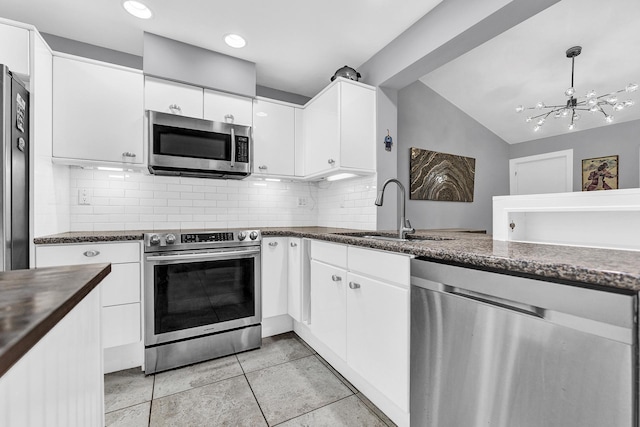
[
  {"x": 527, "y": 64},
  {"x": 297, "y": 45}
]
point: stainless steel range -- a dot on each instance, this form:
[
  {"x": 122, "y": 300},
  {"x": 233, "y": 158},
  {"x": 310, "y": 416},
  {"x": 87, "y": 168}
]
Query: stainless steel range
[{"x": 202, "y": 296}]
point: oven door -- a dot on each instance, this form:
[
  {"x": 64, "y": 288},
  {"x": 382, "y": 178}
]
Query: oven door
[{"x": 194, "y": 293}]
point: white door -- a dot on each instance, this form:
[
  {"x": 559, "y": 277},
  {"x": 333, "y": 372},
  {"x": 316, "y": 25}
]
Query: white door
[
  {"x": 329, "y": 306},
  {"x": 274, "y": 276},
  {"x": 273, "y": 138},
  {"x": 541, "y": 174},
  {"x": 322, "y": 132}
]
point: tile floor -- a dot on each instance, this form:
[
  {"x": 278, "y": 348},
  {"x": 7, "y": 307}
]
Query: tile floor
[{"x": 284, "y": 383}]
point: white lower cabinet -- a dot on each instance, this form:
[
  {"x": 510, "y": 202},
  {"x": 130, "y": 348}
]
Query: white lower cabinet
[
  {"x": 295, "y": 278},
  {"x": 274, "y": 276},
  {"x": 121, "y": 295},
  {"x": 360, "y": 308},
  {"x": 329, "y": 306}
]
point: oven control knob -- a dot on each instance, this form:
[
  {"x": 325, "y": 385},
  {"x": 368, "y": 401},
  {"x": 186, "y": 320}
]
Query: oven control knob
[
  {"x": 253, "y": 235},
  {"x": 170, "y": 239},
  {"x": 242, "y": 235},
  {"x": 154, "y": 240}
]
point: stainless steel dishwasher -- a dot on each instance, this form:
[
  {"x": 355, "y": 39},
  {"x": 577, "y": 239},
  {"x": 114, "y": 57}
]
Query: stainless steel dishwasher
[{"x": 497, "y": 350}]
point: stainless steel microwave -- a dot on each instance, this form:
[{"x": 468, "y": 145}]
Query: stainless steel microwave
[{"x": 186, "y": 146}]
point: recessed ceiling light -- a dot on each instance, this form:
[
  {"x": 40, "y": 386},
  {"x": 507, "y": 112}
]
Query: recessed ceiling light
[
  {"x": 137, "y": 9},
  {"x": 234, "y": 40}
]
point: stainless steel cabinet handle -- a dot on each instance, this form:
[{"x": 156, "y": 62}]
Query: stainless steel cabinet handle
[
  {"x": 229, "y": 118},
  {"x": 354, "y": 285},
  {"x": 294, "y": 244},
  {"x": 262, "y": 167},
  {"x": 128, "y": 154},
  {"x": 175, "y": 109},
  {"x": 336, "y": 278},
  {"x": 91, "y": 253},
  {"x": 273, "y": 243},
  {"x": 331, "y": 161}
]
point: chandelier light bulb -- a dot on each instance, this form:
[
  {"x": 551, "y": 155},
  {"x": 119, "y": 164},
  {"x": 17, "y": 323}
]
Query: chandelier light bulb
[
  {"x": 572, "y": 126},
  {"x": 592, "y": 101},
  {"x": 612, "y": 100},
  {"x": 619, "y": 106},
  {"x": 536, "y": 128},
  {"x": 576, "y": 116},
  {"x": 591, "y": 94},
  {"x": 608, "y": 119},
  {"x": 557, "y": 114},
  {"x": 540, "y": 105},
  {"x": 629, "y": 103},
  {"x": 570, "y": 92},
  {"x": 519, "y": 109},
  {"x": 594, "y": 108},
  {"x": 528, "y": 119},
  {"x": 631, "y": 87},
  {"x": 565, "y": 112},
  {"x": 541, "y": 121}
]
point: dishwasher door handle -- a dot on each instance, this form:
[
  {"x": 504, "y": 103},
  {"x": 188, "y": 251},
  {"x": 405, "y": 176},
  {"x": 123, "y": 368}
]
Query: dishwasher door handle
[{"x": 496, "y": 301}]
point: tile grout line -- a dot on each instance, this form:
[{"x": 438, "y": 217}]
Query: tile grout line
[
  {"x": 252, "y": 392},
  {"x": 153, "y": 392},
  {"x": 313, "y": 410}
]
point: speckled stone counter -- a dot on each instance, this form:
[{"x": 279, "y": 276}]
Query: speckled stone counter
[
  {"x": 599, "y": 267},
  {"x": 33, "y": 301}
]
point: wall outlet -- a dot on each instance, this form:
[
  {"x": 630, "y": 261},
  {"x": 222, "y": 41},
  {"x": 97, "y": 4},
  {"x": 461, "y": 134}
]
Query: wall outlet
[
  {"x": 84, "y": 196},
  {"x": 302, "y": 201}
]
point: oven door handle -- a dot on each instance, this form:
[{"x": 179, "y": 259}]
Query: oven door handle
[{"x": 203, "y": 256}]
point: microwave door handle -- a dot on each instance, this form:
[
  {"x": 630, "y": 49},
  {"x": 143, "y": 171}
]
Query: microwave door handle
[{"x": 233, "y": 147}]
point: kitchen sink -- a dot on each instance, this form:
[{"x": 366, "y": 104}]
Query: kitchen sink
[{"x": 391, "y": 238}]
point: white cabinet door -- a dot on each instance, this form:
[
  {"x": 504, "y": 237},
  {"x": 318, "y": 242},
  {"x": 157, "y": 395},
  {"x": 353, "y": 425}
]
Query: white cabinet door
[
  {"x": 97, "y": 112},
  {"x": 122, "y": 285},
  {"x": 273, "y": 138},
  {"x": 274, "y": 276},
  {"x": 173, "y": 98},
  {"x": 322, "y": 132},
  {"x": 357, "y": 127},
  {"x": 378, "y": 335},
  {"x": 14, "y": 48},
  {"x": 121, "y": 325},
  {"x": 299, "y": 142},
  {"x": 223, "y": 107},
  {"x": 294, "y": 278},
  {"x": 329, "y": 306}
]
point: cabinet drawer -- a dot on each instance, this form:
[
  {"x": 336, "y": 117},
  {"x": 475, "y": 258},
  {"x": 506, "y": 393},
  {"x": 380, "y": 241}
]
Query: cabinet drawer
[
  {"x": 384, "y": 265},
  {"x": 53, "y": 255},
  {"x": 120, "y": 325},
  {"x": 330, "y": 253},
  {"x": 122, "y": 285}
]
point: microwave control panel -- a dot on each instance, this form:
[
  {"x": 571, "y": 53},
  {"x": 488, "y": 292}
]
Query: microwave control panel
[{"x": 242, "y": 149}]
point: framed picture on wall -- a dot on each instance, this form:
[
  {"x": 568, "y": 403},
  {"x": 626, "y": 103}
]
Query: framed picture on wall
[{"x": 600, "y": 173}]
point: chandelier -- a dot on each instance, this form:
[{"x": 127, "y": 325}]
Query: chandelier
[{"x": 591, "y": 102}]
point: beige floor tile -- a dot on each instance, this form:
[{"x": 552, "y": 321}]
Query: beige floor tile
[
  {"x": 224, "y": 403},
  {"x": 133, "y": 416},
  {"x": 197, "y": 375},
  {"x": 126, "y": 388},
  {"x": 376, "y": 410},
  {"x": 348, "y": 412},
  {"x": 275, "y": 350},
  {"x": 291, "y": 389}
]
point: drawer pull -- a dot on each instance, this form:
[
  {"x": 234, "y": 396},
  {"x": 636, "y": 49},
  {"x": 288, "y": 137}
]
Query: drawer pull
[
  {"x": 294, "y": 244},
  {"x": 263, "y": 167},
  {"x": 331, "y": 162},
  {"x": 91, "y": 253},
  {"x": 336, "y": 278},
  {"x": 228, "y": 118},
  {"x": 274, "y": 244},
  {"x": 128, "y": 154},
  {"x": 175, "y": 109},
  {"x": 354, "y": 285}
]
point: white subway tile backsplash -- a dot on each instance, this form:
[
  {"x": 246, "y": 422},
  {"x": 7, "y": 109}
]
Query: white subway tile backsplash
[{"x": 138, "y": 201}]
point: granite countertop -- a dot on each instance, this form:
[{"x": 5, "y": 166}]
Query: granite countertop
[
  {"x": 33, "y": 301},
  {"x": 605, "y": 268}
]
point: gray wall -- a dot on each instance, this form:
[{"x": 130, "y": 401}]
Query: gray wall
[
  {"x": 619, "y": 139},
  {"x": 428, "y": 121},
  {"x": 74, "y": 47}
]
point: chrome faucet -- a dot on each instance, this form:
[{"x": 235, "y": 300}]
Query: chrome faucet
[{"x": 404, "y": 227}]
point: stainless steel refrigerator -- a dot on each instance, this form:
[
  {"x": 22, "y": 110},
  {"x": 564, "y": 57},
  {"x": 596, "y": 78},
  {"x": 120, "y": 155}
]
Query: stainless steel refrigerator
[{"x": 14, "y": 168}]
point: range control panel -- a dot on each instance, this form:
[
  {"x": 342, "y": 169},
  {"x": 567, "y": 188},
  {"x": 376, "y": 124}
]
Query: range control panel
[{"x": 208, "y": 237}]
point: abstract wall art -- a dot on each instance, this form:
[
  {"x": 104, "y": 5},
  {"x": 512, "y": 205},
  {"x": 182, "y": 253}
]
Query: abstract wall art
[{"x": 441, "y": 176}]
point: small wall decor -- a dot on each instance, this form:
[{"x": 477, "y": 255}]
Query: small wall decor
[
  {"x": 388, "y": 141},
  {"x": 600, "y": 173},
  {"x": 441, "y": 176}
]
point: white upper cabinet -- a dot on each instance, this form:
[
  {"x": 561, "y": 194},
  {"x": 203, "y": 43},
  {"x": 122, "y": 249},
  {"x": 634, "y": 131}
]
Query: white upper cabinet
[
  {"x": 273, "y": 138},
  {"x": 339, "y": 130},
  {"x": 97, "y": 111},
  {"x": 227, "y": 108},
  {"x": 173, "y": 98},
  {"x": 14, "y": 48}
]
